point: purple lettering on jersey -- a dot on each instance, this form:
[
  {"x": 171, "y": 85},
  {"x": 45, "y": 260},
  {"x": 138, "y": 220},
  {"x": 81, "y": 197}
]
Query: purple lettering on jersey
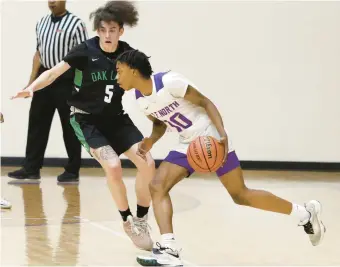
[
  {"x": 179, "y": 122},
  {"x": 167, "y": 110},
  {"x": 176, "y": 104},
  {"x": 162, "y": 112},
  {"x": 178, "y": 129}
]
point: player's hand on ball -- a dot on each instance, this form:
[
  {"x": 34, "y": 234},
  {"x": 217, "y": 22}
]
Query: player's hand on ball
[
  {"x": 144, "y": 147},
  {"x": 23, "y": 94},
  {"x": 224, "y": 141}
]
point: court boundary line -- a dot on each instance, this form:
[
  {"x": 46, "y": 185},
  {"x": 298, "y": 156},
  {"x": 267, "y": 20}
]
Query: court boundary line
[{"x": 119, "y": 234}]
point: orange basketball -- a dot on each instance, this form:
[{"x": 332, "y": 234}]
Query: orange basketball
[{"x": 205, "y": 154}]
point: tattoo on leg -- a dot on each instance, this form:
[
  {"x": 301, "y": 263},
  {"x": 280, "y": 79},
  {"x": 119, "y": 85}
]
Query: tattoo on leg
[{"x": 106, "y": 153}]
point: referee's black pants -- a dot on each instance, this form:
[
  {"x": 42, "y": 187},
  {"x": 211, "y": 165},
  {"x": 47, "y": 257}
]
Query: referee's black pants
[{"x": 43, "y": 106}]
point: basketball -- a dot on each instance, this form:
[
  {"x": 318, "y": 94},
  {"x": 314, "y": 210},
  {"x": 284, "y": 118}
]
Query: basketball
[{"x": 205, "y": 154}]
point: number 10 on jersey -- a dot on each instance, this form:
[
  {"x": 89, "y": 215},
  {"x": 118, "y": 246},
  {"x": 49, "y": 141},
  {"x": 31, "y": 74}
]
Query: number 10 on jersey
[{"x": 179, "y": 122}]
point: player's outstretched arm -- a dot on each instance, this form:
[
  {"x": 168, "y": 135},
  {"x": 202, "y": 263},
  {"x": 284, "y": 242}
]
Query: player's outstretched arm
[
  {"x": 194, "y": 96},
  {"x": 45, "y": 79}
]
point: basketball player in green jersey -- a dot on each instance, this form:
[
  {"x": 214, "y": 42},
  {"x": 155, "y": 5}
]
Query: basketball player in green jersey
[{"x": 97, "y": 114}]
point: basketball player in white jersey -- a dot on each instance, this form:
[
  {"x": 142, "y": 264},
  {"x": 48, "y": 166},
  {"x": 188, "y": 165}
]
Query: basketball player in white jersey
[{"x": 170, "y": 100}]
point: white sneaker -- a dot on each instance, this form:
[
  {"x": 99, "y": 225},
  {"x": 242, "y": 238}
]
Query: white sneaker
[
  {"x": 161, "y": 256},
  {"x": 5, "y": 204},
  {"x": 137, "y": 231},
  {"x": 314, "y": 227},
  {"x": 143, "y": 227}
]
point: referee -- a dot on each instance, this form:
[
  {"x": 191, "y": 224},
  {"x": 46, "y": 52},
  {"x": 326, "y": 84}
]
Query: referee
[{"x": 56, "y": 34}]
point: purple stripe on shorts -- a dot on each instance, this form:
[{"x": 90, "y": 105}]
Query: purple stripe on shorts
[
  {"x": 231, "y": 163},
  {"x": 179, "y": 159}
]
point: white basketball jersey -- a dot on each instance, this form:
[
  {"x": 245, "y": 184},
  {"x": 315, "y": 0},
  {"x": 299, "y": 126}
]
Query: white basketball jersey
[{"x": 167, "y": 104}]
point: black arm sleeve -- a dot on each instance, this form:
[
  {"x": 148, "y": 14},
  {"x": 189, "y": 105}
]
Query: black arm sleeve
[{"x": 77, "y": 57}]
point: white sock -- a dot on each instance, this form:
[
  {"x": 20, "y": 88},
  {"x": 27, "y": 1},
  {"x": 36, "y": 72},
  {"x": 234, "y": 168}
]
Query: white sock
[
  {"x": 168, "y": 240},
  {"x": 300, "y": 212}
]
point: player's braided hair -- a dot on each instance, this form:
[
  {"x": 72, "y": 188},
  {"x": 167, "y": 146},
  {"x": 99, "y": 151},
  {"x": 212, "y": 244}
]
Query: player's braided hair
[
  {"x": 137, "y": 60},
  {"x": 122, "y": 12}
]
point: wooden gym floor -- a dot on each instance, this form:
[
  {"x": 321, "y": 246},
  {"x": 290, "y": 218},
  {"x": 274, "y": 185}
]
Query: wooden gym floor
[{"x": 79, "y": 225}]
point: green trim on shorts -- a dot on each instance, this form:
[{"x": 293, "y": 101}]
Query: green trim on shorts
[
  {"x": 78, "y": 77},
  {"x": 79, "y": 133}
]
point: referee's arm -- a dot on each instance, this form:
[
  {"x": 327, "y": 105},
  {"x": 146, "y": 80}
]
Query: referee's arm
[{"x": 36, "y": 61}]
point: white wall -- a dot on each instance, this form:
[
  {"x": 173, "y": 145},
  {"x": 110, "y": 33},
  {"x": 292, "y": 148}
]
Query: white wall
[{"x": 271, "y": 68}]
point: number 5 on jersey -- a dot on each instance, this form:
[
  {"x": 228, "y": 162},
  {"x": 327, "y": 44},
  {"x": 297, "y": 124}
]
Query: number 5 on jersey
[{"x": 108, "y": 93}]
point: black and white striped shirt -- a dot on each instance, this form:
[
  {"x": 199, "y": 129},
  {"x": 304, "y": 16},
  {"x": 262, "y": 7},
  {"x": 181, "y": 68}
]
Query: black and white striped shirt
[{"x": 56, "y": 36}]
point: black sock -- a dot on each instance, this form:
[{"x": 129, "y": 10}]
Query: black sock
[
  {"x": 142, "y": 211},
  {"x": 125, "y": 214}
]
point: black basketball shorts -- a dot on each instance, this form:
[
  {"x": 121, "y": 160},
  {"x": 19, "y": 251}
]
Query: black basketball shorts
[{"x": 94, "y": 131}]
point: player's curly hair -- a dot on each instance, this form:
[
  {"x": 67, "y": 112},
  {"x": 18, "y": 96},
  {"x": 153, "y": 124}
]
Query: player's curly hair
[
  {"x": 137, "y": 60},
  {"x": 122, "y": 12}
]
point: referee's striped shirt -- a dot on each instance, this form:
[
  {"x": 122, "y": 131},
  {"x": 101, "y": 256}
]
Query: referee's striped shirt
[{"x": 56, "y": 36}]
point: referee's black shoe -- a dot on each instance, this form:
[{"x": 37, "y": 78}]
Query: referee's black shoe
[
  {"x": 23, "y": 174},
  {"x": 68, "y": 178}
]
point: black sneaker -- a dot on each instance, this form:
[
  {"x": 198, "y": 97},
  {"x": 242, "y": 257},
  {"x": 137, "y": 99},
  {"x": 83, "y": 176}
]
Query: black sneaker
[
  {"x": 68, "y": 177},
  {"x": 23, "y": 174}
]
